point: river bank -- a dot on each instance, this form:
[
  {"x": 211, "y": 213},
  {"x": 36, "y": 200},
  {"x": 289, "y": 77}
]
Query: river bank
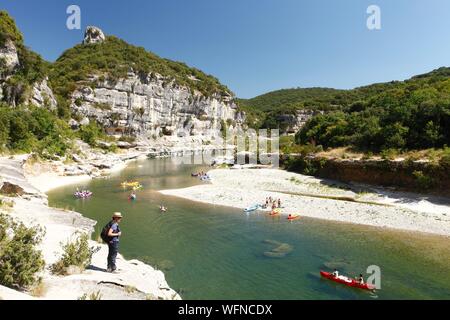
[
  {"x": 135, "y": 280},
  {"x": 323, "y": 199}
]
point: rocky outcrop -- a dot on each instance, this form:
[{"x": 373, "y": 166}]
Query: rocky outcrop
[
  {"x": 93, "y": 35},
  {"x": 152, "y": 106},
  {"x": 42, "y": 95},
  {"x": 9, "y": 59},
  {"x": 11, "y": 189},
  {"x": 294, "y": 122}
]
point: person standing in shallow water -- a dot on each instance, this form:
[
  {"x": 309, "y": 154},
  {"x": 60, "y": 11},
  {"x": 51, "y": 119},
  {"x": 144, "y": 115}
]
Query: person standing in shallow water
[{"x": 114, "y": 233}]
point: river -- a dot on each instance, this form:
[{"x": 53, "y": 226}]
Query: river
[{"x": 211, "y": 252}]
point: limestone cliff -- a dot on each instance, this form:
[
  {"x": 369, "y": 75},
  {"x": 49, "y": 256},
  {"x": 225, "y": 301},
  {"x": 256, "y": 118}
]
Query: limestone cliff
[
  {"x": 9, "y": 58},
  {"x": 146, "y": 104},
  {"x": 292, "y": 122}
]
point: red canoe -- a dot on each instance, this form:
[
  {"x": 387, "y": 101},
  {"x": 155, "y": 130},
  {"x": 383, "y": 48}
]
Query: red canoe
[{"x": 347, "y": 281}]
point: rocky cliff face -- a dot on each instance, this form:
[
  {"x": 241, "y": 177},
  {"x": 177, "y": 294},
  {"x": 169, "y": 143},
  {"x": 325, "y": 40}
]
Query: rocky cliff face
[
  {"x": 39, "y": 93},
  {"x": 148, "y": 107},
  {"x": 294, "y": 122},
  {"x": 9, "y": 59},
  {"x": 42, "y": 95}
]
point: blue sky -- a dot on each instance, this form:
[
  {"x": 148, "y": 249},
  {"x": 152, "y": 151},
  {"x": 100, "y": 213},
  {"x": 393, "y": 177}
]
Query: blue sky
[{"x": 256, "y": 46}]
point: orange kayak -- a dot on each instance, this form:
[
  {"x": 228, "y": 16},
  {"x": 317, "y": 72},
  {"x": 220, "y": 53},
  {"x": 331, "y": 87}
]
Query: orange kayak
[
  {"x": 293, "y": 217},
  {"x": 275, "y": 212}
]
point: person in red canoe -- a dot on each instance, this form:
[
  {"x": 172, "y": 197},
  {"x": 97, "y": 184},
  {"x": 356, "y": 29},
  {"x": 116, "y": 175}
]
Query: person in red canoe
[
  {"x": 361, "y": 279},
  {"x": 335, "y": 273}
]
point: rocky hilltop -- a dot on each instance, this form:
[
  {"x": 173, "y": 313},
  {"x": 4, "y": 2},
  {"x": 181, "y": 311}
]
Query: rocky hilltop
[{"x": 130, "y": 91}]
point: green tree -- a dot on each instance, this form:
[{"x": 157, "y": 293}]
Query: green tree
[
  {"x": 20, "y": 261},
  {"x": 91, "y": 133}
]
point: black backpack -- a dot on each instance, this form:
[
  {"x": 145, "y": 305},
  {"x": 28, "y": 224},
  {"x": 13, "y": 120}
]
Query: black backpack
[{"x": 105, "y": 231}]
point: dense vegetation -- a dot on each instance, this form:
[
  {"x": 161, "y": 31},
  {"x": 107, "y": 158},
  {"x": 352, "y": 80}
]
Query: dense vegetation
[
  {"x": 20, "y": 261},
  {"x": 309, "y": 98},
  {"x": 413, "y": 114},
  {"x": 28, "y": 129},
  {"x": 264, "y": 111},
  {"x": 75, "y": 254},
  {"x": 8, "y": 29},
  {"x": 114, "y": 58}
]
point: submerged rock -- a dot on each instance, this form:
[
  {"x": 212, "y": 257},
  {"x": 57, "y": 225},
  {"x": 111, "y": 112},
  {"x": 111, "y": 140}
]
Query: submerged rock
[{"x": 280, "y": 249}]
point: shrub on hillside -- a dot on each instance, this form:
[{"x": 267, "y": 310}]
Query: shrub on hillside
[
  {"x": 27, "y": 129},
  {"x": 20, "y": 261},
  {"x": 129, "y": 139},
  {"x": 424, "y": 181},
  {"x": 75, "y": 254},
  {"x": 91, "y": 133},
  {"x": 445, "y": 159}
]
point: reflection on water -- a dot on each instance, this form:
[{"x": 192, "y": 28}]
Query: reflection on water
[{"x": 210, "y": 252}]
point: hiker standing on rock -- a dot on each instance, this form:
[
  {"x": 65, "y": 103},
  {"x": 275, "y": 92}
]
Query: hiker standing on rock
[{"x": 110, "y": 234}]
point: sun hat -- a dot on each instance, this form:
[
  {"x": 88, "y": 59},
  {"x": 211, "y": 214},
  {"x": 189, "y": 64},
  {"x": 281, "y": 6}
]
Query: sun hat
[{"x": 117, "y": 215}]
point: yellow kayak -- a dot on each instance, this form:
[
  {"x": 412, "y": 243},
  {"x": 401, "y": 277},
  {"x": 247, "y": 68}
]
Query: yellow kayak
[{"x": 135, "y": 185}]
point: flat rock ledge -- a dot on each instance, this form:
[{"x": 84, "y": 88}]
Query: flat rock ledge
[{"x": 135, "y": 280}]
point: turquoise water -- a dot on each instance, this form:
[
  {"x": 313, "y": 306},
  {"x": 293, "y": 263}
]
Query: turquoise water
[{"x": 211, "y": 252}]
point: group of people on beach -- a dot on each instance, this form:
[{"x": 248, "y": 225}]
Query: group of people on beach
[{"x": 271, "y": 202}]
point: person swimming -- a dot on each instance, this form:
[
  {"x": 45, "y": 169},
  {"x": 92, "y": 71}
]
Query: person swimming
[{"x": 162, "y": 208}]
